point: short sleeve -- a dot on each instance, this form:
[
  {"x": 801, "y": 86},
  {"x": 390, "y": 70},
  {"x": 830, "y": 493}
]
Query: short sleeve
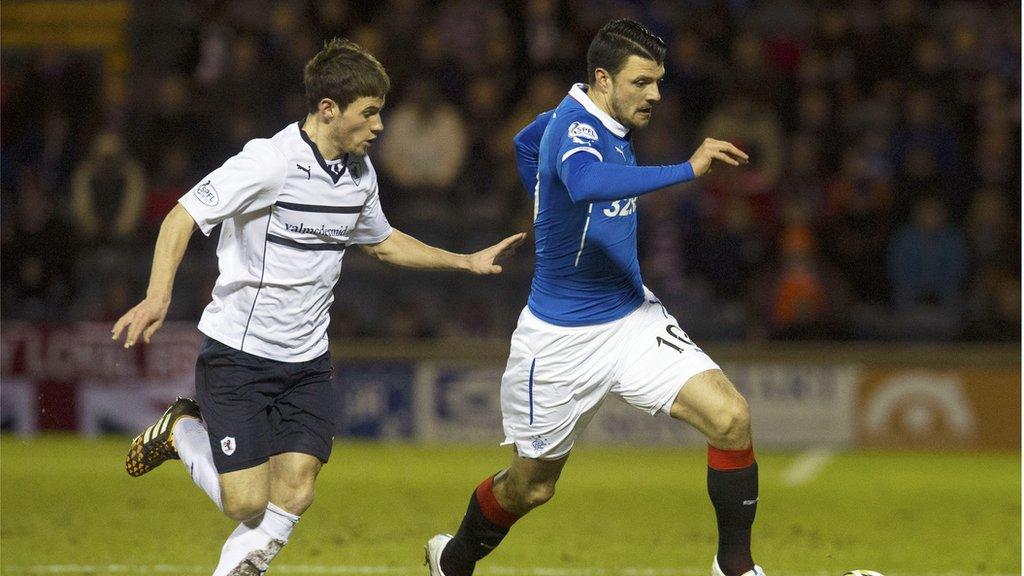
[
  {"x": 248, "y": 182},
  {"x": 372, "y": 227}
]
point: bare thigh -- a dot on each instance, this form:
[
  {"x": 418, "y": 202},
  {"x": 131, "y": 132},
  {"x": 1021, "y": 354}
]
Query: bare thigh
[
  {"x": 244, "y": 493},
  {"x": 710, "y": 403}
]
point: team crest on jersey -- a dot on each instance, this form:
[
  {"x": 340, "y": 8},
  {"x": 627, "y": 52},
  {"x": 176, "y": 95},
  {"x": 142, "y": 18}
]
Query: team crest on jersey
[
  {"x": 207, "y": 194},
  {"x": 355, "y": 171},
  {"x": 580, "y": 133},
  {"x": 227, "y": 445}
]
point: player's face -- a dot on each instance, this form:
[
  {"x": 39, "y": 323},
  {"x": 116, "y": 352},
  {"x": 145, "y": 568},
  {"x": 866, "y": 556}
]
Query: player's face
[
  {"x": 634, "y": 90},
  {"x": 358, "y": 126}
]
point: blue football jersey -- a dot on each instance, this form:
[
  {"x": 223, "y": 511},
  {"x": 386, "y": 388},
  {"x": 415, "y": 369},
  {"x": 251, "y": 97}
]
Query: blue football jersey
[
  {"x": 587, "y": 270},
  {"x": 528, "y": 150}
]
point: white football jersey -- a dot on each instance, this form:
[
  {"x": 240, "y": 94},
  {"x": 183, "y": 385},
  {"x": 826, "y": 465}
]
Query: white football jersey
[{"x": 287, "y": 216}]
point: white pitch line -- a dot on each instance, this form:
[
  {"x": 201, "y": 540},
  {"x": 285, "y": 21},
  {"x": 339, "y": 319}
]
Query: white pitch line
[
  {"x": 806, "y": 467},
  {"x": 356, "y": 570}
]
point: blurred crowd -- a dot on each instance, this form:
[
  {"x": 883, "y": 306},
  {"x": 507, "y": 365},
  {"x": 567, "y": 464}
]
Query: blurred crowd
[{"x": 882, "y": 201}]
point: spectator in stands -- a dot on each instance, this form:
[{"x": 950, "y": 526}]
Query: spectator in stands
[
  {"x": 728, "y": 250},
  {"x": 753, "y": 126},
  {"x": 926, "y": 152},
  {"x": 113, "y": 106},
  {"x": 804, "y": 298},
  {"x": 927, "y": 270},
  {"x": 426, "y": 140},
  {"x": 994, "y": 157},
  {"x": 857, "y": 226},
  {"x": 36, "y": 256},
  {"x": 991, "y": 231},
  {"x": 475, "y": 34},
  {"x": 234, "y": 94},
  {"x": 693, "y": 75},
  {"x": 994, "y": 305},
  {"x": 175, "y": 176},
  {"x": 108, "y": 195},
  {"x": 167, "y": 113},
  {"x": 547, "y": 42}
]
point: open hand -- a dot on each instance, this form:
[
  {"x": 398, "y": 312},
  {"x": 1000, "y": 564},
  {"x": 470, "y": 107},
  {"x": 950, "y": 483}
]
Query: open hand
[
  {"x": 144, "y": 319},
  {"x": 484, "y": 261},
  {"x": 711, "y": 150}
]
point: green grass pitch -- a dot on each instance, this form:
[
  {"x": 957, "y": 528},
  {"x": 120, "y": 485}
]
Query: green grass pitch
[{"x": 67, "y": 506}]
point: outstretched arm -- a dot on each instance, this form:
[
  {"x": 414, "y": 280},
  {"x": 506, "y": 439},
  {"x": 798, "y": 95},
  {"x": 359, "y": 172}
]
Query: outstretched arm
[
  {"x": 588, "y": 179},
  {"x": 148, "y": 316},
  {"x": 401, "y": 249}
]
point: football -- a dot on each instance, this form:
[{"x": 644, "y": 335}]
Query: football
[{"x": 862, "y": 573}]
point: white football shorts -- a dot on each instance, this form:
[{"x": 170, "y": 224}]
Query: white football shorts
[{"x": 557, "y": 377}]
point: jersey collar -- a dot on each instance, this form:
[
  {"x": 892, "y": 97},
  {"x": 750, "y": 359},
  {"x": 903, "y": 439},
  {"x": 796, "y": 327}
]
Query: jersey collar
[
  {"x": 579, "y": 94},
  {"x": 335, "y": 175}
]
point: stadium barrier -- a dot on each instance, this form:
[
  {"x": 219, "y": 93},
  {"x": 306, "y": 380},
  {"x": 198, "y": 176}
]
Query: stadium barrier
[{"x": 73, "y": 377}]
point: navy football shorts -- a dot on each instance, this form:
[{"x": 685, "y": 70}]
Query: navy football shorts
[{"x": 255, "y": 407}]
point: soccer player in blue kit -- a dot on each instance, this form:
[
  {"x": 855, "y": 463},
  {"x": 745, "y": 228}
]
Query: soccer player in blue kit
[{"x": 591, "y": 328}]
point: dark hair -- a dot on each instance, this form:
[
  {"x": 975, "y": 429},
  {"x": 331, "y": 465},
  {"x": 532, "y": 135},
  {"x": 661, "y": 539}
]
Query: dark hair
[
  {"x": 344, "y": 72},
  {"x": 616, "y": 41}
]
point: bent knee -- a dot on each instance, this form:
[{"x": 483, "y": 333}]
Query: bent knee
[
  {"x": 730, "y": 425},
  {"x": 537, "y": 494},
  {"x": 295, "y": 500},
  {"x": 294, "y": 493},
  {"x": 243, "y": 508}
]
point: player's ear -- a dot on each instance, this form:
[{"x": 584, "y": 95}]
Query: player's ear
[
  {"x": 602, "y": 79},
  {"x": 328, "y": 109}
]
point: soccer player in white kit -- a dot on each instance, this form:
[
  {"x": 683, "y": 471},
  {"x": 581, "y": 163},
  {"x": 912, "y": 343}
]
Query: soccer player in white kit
[
  {"x": 590, "y": 327},
  {"x": 289, "y": 206}
]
